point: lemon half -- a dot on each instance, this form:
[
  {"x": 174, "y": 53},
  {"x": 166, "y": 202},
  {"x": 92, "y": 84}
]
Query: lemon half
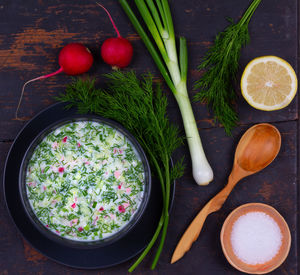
[{"x": 269, "y": 83}]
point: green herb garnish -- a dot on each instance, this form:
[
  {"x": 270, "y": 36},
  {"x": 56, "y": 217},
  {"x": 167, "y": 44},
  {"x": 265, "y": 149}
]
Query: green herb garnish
[
  {"x": 141, "y": 108},
  {"x": 221, "y": 64}
]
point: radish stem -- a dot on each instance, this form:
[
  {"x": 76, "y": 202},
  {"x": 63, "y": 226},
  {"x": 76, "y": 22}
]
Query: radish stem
[{"x": 110, "y": 18}]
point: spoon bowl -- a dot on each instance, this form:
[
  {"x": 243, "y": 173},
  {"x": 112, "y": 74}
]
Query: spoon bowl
[{"x": 258, "y": 147}]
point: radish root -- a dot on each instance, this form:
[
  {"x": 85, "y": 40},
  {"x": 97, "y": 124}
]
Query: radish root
[{"x": 32, "y": 80}]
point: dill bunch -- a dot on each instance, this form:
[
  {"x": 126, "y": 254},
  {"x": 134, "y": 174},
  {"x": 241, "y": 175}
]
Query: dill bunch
[
  {"x": 221, "y": 63},
  {"x": 142, "y": 109}
]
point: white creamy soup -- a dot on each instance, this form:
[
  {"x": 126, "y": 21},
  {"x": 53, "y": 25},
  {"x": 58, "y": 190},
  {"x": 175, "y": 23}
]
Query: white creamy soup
[{"x": 85, "y": 181}]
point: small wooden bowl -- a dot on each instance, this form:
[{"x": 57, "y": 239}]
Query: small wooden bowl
[{"x": 227, "y": 247}]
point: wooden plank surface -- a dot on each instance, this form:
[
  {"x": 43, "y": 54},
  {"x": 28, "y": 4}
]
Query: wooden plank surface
[{"x": 31, "y": 34}]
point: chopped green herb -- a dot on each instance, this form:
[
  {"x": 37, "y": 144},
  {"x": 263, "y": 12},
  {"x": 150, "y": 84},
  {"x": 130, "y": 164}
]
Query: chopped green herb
[{"x": 74, "y": 179}]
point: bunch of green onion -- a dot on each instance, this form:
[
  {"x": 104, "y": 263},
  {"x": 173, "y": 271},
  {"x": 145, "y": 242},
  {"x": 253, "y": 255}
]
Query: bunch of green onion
[{"x": 157, "y": 17}]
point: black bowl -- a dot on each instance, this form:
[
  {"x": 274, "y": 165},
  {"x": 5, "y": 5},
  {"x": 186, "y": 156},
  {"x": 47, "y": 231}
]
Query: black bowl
[{"x": 74, "y": 243}]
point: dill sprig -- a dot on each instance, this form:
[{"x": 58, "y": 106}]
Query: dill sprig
[
  {"x": 221, "y": 64},
  {"x": 142, "y": 109}
]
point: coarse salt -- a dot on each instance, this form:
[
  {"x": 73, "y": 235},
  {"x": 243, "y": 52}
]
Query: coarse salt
[{"x": 256, "y": 238}]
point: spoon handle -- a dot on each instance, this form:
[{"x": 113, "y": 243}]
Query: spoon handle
[{"x": 194, "y": 229}]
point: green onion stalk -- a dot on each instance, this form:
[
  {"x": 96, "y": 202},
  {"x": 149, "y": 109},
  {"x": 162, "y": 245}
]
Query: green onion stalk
[{"x": 157, "y": 17}]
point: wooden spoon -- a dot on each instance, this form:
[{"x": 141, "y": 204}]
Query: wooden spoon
[{"x": 257, "y": 148}]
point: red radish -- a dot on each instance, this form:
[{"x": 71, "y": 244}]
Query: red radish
[
  {"x": 74, "y": 59},
  {"x": 116, "y": 51}
]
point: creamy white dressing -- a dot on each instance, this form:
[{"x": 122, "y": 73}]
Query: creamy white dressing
[{"x": 85, "y": 181}]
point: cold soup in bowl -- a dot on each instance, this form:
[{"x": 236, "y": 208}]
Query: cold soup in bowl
[{"x": 85, "y": 181}]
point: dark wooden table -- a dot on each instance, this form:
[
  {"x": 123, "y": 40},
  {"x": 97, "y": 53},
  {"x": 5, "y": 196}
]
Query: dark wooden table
[{"x": 31, "y": 35}]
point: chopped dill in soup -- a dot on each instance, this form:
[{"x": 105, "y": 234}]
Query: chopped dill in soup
[{"x": 85, "y": 181}]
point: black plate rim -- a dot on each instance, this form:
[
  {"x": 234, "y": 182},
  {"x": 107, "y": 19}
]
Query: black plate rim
[{"x": 173, "y": 188}]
